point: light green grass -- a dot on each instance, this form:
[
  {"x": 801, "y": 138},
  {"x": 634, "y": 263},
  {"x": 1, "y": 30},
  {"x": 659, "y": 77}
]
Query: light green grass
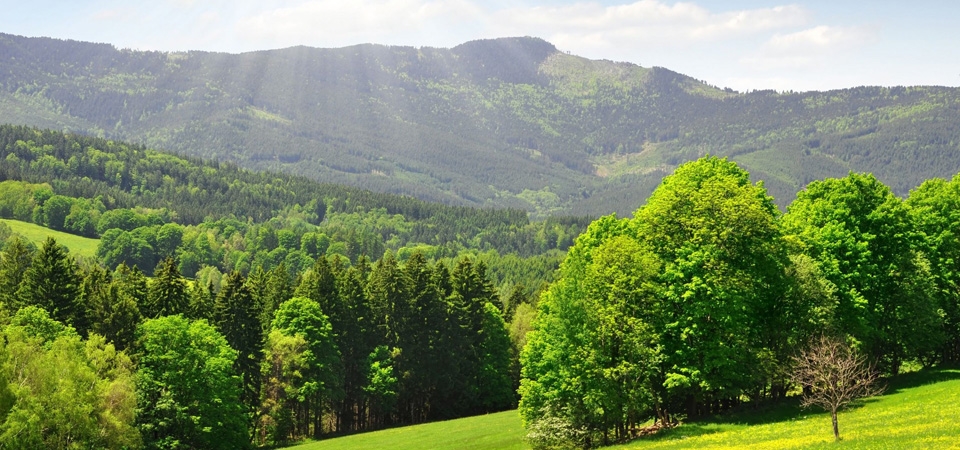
[
  {"x": 918, "y": 411},
  {"x": 78, "y": 245},
  {"x": 488, "y": 432}
]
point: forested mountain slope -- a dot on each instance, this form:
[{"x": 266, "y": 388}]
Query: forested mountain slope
[{"x": 507, "y": 122}]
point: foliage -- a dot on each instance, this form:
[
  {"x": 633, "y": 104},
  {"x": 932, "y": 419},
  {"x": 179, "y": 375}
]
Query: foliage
[
  {"x": 319, "y": 384},
  {"x": 59, "y": 392},
  {"x": 188, "y": 394},
  {"x": 862, "y": 239},
  {"x": 935, "y": 210},
  {"x": 133, "y": 211},
  {"x": 283, "y": 370},
  {"x": 52, "y": 282}
]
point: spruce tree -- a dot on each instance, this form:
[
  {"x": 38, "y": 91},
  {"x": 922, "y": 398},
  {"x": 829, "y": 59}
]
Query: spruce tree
[
  {"x": 167, "y": 294},
  {"x": 15, "y": 259},
  {"x": 236, "y": 315},
  {"x": 52, "y": 282}
]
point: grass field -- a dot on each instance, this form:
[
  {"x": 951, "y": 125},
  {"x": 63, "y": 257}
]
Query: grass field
[
  {"x": 492, "y": 431},
  {"x": 78, "y": 245},
  {"x": 918, "y": 411}
]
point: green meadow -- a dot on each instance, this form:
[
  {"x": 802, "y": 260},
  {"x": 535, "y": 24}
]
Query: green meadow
[
  {"x": 492, "y": 431},
  {"x": 919, "y": 410},
  {"x": 78, "y": 245}
]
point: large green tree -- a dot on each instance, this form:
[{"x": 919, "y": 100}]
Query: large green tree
[
  {"x": 60, "y": 392},
  {"x": 188, "y": 393},
  {"x": 863, "y": 241},
  {"x": 15, "y": 259},
  {"x": 237, "y": 316},
  {"x": 935, "y": 209},
  {"x": 320, "y": 385},
  {"x": 723, "y": 281},
  {"x": 167, "y": 292},
  {"x": 589, "y": 363}
]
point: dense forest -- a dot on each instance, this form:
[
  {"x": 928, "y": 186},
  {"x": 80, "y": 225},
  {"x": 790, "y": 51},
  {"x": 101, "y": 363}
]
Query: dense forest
[
  {"x": 508, "y": 122},
  {"x": 146, "y": 205},
  {"x": 113, "y": 359},
  {"x": 260, "y": 319},
  {"x": 701, "y": 301},
  {"x": 695, "y": 305}
]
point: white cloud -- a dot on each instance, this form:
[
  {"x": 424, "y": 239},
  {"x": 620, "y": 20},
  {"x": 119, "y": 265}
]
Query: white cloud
[
  {"x": 331, "y": 22},
  {"x": 642, "y": 22},
  {"x": 809, "y": 48}
]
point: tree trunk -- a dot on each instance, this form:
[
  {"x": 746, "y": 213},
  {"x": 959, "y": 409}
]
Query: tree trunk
[{"x": 836, "y": 428}]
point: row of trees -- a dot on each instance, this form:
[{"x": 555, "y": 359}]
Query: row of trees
[
  {"x": 339, "y": 348},
  {"x": 702, "y": 299}
]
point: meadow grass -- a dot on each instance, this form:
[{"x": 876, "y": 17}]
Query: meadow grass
[
  {"x": 78, "y": 245},
  {"x": 917, "y": 411},
  {"x": 488, "y": 432}
]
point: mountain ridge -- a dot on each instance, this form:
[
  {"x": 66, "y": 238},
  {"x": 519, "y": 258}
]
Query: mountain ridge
[{"x": 508, "y": 122}]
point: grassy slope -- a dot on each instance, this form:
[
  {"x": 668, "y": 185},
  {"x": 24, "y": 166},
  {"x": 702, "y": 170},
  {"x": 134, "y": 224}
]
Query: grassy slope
[
  {"x": 78, "y": 245},
  {"x": 492, "y": 431},
  {"x": 917, "y": 411}
]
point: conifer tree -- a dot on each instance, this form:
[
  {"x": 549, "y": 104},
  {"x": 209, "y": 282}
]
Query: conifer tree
[
  {"x": 52, "y": 282},
  {"x": 236, "y": 315},
  {"x": 167, "y": 294},
  {"x": 15, "y": 259}
]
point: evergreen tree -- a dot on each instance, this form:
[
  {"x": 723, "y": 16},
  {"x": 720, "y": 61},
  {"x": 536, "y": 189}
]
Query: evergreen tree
[
  {"x": 236, "y": 315},
  {"x": 167, "y": 294},
  {"x": 470, "y": 292},
  {"x": 202, "y": 300},
  {"x": 358, "y": 342},
  {"x": 53, "y": 283},
  {"x": 131, "y": 283},
  {"x": 15, "y": 259}
]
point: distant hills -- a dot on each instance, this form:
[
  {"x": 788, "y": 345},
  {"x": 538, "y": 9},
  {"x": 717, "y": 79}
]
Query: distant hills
[{"x": 508, "y": 122}]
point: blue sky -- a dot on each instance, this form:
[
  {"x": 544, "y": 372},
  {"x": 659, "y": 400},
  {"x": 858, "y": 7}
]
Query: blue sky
[{"x": 742, "y": 44}]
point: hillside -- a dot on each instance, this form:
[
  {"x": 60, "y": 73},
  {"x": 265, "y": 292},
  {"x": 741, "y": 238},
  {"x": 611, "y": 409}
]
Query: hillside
[{"x": 507, "y": 122}]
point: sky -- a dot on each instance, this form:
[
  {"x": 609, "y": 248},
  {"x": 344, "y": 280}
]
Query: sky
[{"x": 741, "y": 44}]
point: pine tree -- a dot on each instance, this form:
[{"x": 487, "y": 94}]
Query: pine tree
[
  {"x": 236, "y": 315},
  {"x": 112, "y": 311},
  {"x": 52, "y": 282},
  {"x": 15, "y": 259},
  {"x": 167, "y": 294}
]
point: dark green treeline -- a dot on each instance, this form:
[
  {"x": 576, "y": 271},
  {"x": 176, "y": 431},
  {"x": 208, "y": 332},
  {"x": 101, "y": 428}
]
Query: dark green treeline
[{"x": 339, "y": 348}]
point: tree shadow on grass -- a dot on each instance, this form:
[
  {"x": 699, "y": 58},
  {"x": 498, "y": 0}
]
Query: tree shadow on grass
[
  {"x": 789, "y": 409},
  {"x": 920, "y": 378},
  {"x": 687, "y": 430}
]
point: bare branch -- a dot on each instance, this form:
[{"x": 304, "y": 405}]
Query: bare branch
[{"x": 833, "y": 375}]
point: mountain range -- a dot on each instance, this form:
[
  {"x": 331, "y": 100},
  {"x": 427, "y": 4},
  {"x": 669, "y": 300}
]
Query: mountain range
[{"x": 509, "y": 122}]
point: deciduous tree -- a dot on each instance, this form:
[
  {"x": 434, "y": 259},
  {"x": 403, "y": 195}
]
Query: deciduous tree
[{"x": 833, "y": 375}]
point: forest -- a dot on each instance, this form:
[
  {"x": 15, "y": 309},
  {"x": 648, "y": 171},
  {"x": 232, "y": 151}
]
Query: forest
[
  {"x": 258, "y": 320},
  {"x": 268, "y": 322},
  {"x": 702, "y": 301}
]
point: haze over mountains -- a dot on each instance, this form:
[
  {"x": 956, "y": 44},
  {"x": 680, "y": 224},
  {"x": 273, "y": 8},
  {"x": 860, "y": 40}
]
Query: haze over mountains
[{"x": 509, "y": 122}]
